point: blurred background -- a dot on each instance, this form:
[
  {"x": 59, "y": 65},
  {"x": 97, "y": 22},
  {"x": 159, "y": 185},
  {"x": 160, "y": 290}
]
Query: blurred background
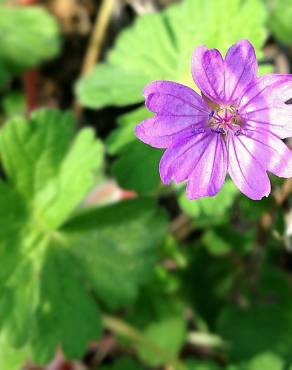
[{"x": 102, "y": 266}]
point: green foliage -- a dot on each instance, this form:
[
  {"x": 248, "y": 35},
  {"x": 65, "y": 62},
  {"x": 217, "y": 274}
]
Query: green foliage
[
  {"x": 197, "y": 285},
  {"x": 211, "y": 209},
  {"x": 29, "y": 44},
  {"x": 13, "y": 103},
  {"x": 268, "y": 318},
  {"x": 202, "y": 365},
  {"x": 57, "y": 258},
  {"x": 137, "y": 168},
  {"x": 123, "y": 364},
  {"x": 131, "y": 154},
  {"x": 170, "y": 37},
  {"x": 267, "y": 361},
  {"x": 126, "y": 252},
  {"x": 279, "y": 21},
  {"x": 160, "y": 319}
]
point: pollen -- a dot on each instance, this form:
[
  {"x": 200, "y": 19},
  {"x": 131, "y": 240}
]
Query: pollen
[{"x": 224, "y": 119}]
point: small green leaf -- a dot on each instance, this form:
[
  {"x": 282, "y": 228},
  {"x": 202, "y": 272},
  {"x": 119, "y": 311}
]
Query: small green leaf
[
  {"x": 137, "y": 168},
  {"x": 267, "y": 361},
  {"x": 124, "y": 134},
  {"x": 202, "y": 365},
  {"x": 13, "y": 103},
  {"x": 135, "y": 159},
  {"x": 279, "y": 21},
  {"x": 223, "y": 239},
  {"x": 36, "y": 40},
  {"x": 212, "y": 210},
  {"x": 12, "y": 358},
  {"x": 251, "y": 331},
  {"x": 41, "y": 160},
  {"x": 123, "y": 364},
  {"x": 159, "y": 317}
]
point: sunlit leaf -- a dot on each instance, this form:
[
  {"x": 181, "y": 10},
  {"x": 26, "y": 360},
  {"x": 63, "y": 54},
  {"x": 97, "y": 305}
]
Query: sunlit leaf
[
  {"x": 51, "y": 264},
  {"x": 170, "y": 37},
  {"x": 28, "y": 35}
]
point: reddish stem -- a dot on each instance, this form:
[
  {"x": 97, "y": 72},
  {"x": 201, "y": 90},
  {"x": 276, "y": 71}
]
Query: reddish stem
[
  {"x": 30, "y": 84},
  {"x": 30, "y": 77}
]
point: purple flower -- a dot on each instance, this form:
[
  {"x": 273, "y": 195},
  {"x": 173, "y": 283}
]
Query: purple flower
[{"x": 234, "y": 127}]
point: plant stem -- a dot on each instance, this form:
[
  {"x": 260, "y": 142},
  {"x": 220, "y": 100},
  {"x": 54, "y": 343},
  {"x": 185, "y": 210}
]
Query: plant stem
[
  {"x": 97, "y": 36},
  {"x": 30, "y": 77},
  {"x": 121, "y": 328},
  {"x": 95, "y": 43}
]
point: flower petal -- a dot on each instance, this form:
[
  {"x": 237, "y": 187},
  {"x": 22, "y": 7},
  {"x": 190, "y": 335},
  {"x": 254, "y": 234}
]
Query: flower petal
[
  {"x": 208, "y": 73},
  {"x": 263, "y": 105},
  {"x": 171, "y": 98},
  {"x": 179, "y": 160},
  {"x": 245, "y": 170},
  {"x": 163, "y": 131},
  {"x": 210, "y": 171},
  {"x": 240, "y": 69},
  {"x": 270, "y": 151}
]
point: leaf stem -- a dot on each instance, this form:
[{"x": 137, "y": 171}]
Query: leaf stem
[{"x": 121, "y": 328}]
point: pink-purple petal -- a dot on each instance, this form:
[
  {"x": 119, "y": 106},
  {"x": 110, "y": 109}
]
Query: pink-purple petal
[
  {"x": 270, "y": 151},
  {"x": 246, "y": 171},
  {"x": 209, "y": 173},
  {"x": 263, "y": 105},
  {"x": 163, "y": 131},
  {"x": 208, "y": 73},
  {"x": 240, "y": 69},
  {"x": 178, "y": 161},
  {"x": 171, "y": 98}
]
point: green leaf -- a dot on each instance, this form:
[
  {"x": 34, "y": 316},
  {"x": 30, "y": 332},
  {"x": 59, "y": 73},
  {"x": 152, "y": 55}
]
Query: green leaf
[
  {"x": 161, "y": 320},
  {"x": 223, "y": 239},
  {"x": 267, "y": 361},
  {"x": 135, "y": 159},
  {"x": 279, "y": 20},
  {"x": 137, "y": 168},
  {"x": 11, "y": 358},
  {"x": 39, "y": 167},
  {"x": 210, "y": 210},
  {"x": 64, "y": 308},
  {"x": 123, "y": 364},
  {"x": 170, "y": 37},
  {"x": 36, "y": 39},
  {"x": 13, "y": 103},
  {"x": 256, "y": 330},
  {"x": 124, "y": 134},
  {"x": 44, "y": 177},
  {"x": 211, "y": 278},
  {"x": 51, "y": 263},
  {"x": 202, "y": 365},
  {"x": 120, "y": 251}
]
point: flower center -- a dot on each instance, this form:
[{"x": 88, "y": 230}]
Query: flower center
[{"x": 225, "y": 119}]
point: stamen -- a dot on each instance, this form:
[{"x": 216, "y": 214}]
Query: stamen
[
  {"x": 219, "y": 130},
  {"x": 198, "y": 130},
  {"x": 238, "y": 132},
  {"x": 224, "y": 119}
]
